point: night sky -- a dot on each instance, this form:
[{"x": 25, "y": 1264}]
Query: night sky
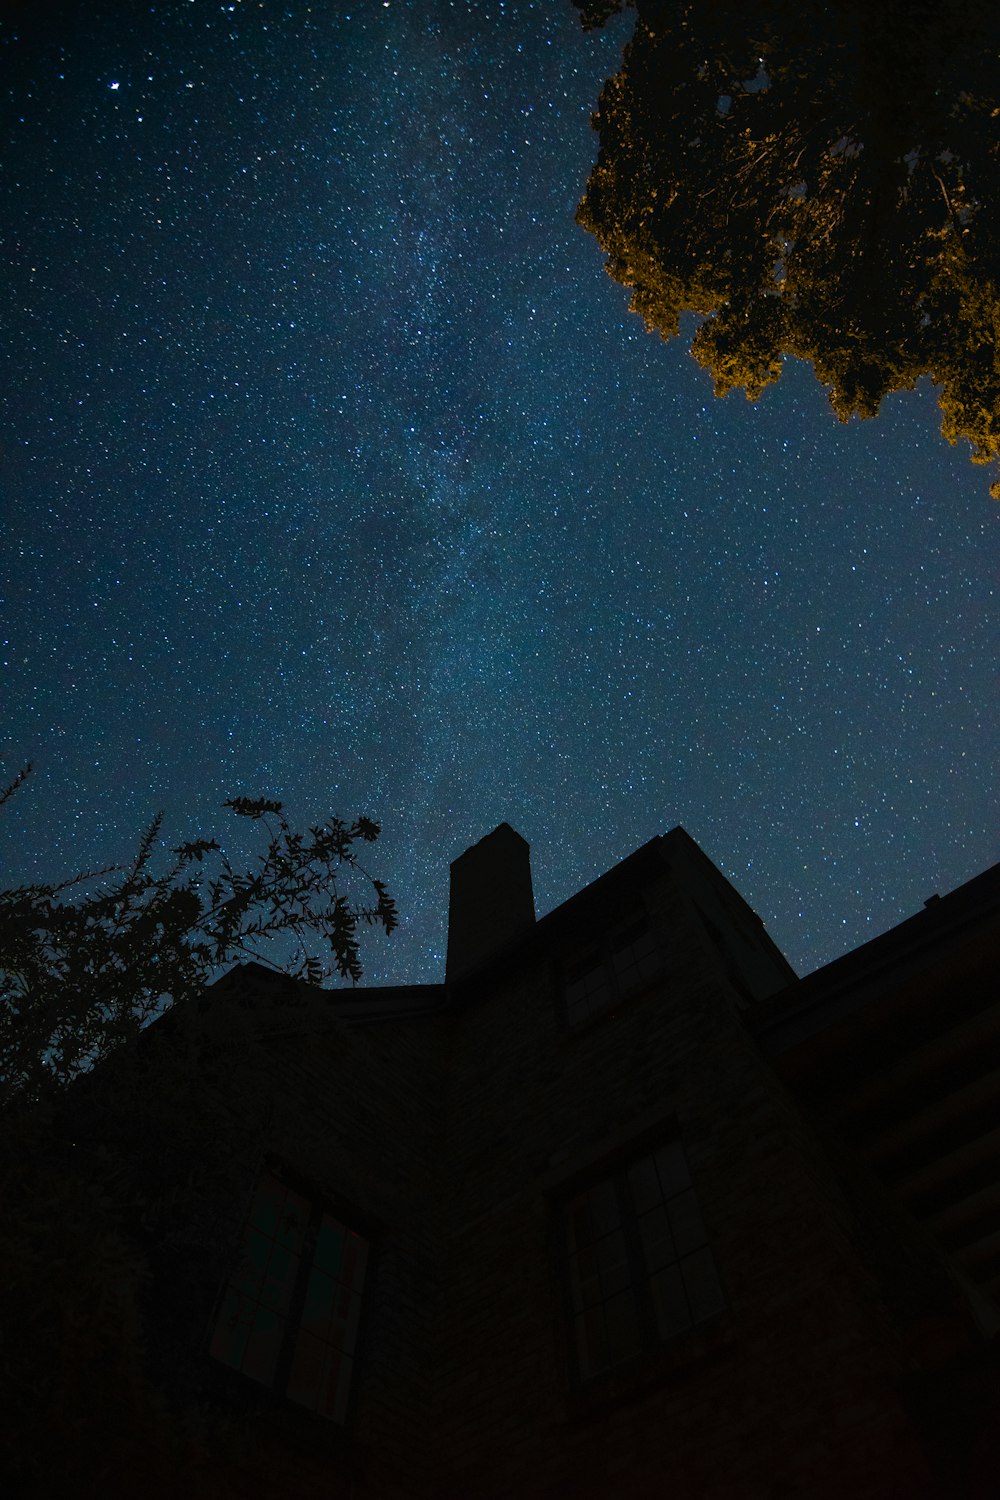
[{"x": 334, "y": 469}]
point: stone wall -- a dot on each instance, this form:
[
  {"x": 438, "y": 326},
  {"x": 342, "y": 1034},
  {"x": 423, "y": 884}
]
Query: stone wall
[{"x": 456, "y": 1134}]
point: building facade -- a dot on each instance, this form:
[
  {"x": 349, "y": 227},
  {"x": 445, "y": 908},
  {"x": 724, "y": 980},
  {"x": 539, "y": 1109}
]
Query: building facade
[{"x": 621, "y": 1209}]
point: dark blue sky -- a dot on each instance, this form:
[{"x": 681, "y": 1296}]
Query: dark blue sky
[{"x": 335, "y": 469}]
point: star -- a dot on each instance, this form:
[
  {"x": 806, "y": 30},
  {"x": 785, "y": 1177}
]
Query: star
[{"x": 379, "y": 500}]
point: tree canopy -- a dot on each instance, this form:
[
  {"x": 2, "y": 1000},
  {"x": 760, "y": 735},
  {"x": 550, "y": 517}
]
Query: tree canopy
[
  {"x": 86, "y": 963},
  {"x": 817, "y": 178}
]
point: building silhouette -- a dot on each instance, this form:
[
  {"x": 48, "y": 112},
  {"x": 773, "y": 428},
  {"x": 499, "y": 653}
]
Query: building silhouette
[{"x": 622, "y": 1208}]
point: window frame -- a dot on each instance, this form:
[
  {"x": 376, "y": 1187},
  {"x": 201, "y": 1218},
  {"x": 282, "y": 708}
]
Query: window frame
[
  {"x": 656, "y": 1351},
  {"x": 602, "y": 949},
  {"x": 275, "y": 1390}
]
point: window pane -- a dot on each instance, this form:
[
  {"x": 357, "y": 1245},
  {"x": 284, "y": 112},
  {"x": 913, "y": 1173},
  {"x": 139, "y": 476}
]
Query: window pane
[
  {"x": 586, "y": 987},
  {"x": 584, "y": 999},
  {"x": 279, "y": 1213},
  {"x": 585, "y": 1261},
  {"x": 621, "y": 958},
  {"x": 657, "y": 1241},
  {"x": 318, "y": 1308},
  {"x": 645, "y": 1184},
  {"x": 593, "y": 1215},
  {"x": 337, "y": 1385},
  {"x": 576, "y": 1010},
  {"x": 591, "y": 1341},
  {"x": 612, "y": 1263},
  {"x": 355, "y": 1261},
  {"x": 263, "y": 1342},
  {"x": 623, "y": 940},
  {"x": 672, "y": 1169},
  {"x": 320, "y": 1377},
  {"x": 329, "y": 1252},
  {"x": 321, "y": 1365},
  {"x": 292, "y": 1221},
  {"x": 703, "y": 1287},
  {"x": 672, "y": 1315},
  {"x": 629, "y": 979},
  {"x": 344, "y": 1326},
  {"x": 229, "y": 1337},
  {"x": 254, "y": 1257},
  {"x": 578, "y": 972},
  {"x": 597, "y": 981},
  {"x": 600, "y": 994},
  {"x": 685, "y": 1221},
  {"x": 622, "y": 1323},
  {"x": 266, "y": 1272},
  {"x": 252, "y": 1328},
  {"x": 584, "y": 1280},
  {"x": 584, "y": 979},
  {"x": 635, "y": 956},
  {"x": 576, "y": 997},
  {"x": 603, "y": 1208},
  {"x": 579, "y": 1222},
  {"x": 644, "y": 947},
  {"x": 649, "y": 964},
  {"x": 659, "y": 1207},
  {"x": 276, "y": 1288}
]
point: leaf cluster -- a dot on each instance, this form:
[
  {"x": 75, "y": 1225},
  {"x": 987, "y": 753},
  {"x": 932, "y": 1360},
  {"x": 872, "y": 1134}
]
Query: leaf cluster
[
  {"x": 85, "y": 964},
  {"x": 813, "y": 179}
]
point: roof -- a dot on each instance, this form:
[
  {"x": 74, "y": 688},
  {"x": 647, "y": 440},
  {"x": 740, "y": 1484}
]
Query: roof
[{"x": 896, "y": 958}]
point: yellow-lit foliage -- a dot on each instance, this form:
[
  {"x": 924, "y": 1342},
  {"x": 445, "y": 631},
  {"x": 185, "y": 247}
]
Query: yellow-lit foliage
[{"x": 818, "y": 180}]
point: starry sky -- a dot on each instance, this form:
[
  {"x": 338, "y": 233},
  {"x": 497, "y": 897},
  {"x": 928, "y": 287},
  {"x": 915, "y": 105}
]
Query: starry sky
[{"x": 334, "y": 469}]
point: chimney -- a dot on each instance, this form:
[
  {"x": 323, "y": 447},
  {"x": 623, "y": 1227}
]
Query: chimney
[{"x": 491, "y": 902}]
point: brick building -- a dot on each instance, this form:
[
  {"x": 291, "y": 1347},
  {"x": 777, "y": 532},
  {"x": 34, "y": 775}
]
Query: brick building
[{"x": 621, "y": 1209}]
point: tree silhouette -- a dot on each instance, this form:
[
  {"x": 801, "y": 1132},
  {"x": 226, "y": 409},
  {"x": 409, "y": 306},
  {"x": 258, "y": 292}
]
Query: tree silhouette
[
  {"x": 85, "y": 964},
  {"x": 816, "y": 178}
]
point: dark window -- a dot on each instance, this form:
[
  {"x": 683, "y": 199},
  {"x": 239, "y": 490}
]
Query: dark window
[
  {"x": 587, "y": 988},
  {"x": 289, "y": 1316},
  {"x": 640, "y": 1269},
  {"x": 625, "y": 961}
]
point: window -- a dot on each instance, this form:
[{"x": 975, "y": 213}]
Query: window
[
  {"x": 609, "y": 972},
  {"x": 640, "y": 1270},
  {"x": 289, "y": 1316}
]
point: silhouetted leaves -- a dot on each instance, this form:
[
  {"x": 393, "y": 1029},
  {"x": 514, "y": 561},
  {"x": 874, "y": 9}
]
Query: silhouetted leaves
[
  {"x": 252, "y": 807},
  {"x": 84, "y": 966},
  {"x": 817, "y": 178},
  {"x": 197, "y": 849}
]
